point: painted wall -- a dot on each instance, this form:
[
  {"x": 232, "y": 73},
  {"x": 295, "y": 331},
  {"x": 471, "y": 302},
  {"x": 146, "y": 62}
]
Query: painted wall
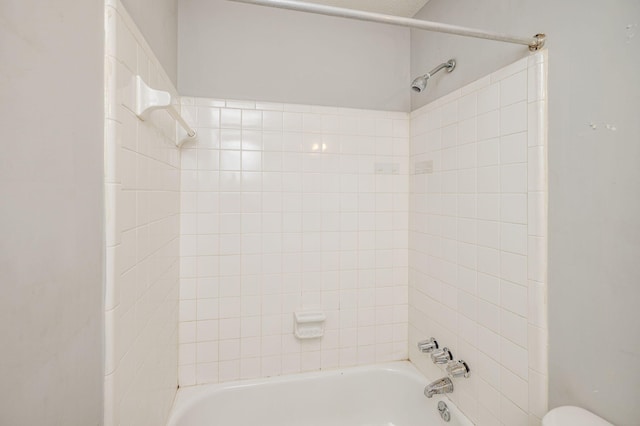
[
  {"x": 142, "y": 208},
  {"x": 158, "y": 23},
  {"x": 282, "y": 211},
  {"x": 51, "y": 214},
  {"x": 594, "y": 231},
  {"x": 239, "y": 51},
  {"x": 477, "y": 265}
]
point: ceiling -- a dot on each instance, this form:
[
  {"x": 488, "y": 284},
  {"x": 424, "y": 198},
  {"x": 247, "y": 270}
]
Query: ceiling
[{"x": 406, "y": 8}]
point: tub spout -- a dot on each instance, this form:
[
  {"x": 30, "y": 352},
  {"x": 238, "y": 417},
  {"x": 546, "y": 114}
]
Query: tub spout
[{"x": 440, "y": 386}]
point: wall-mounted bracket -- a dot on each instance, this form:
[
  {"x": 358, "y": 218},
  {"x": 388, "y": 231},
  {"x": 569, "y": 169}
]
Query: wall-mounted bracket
[
  {"x": 539, "y": 42},
  {"x": 149, "y": 100}
]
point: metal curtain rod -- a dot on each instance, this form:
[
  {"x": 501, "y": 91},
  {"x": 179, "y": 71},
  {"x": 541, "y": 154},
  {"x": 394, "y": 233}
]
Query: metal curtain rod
[{"x": 536, "y": 42}]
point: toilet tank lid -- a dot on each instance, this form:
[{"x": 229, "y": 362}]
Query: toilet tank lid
[{"x": 573, "y": 416}]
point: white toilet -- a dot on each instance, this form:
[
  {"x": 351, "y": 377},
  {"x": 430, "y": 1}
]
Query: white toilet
[{"x": 573, "y": 416}]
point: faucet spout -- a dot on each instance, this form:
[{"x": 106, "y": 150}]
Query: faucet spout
[{"x": 440, "y": 386}]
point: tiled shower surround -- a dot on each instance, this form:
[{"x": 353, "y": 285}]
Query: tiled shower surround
[
  {"x": 397, "y": 226},
  {"x": 142, "y": 204},
  {"x": 478, "y": 241},
  {"x": 288, "y": 208}
]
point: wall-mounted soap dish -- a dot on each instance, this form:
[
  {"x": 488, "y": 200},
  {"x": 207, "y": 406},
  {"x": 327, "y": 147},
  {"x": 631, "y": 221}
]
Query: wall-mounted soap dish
[{"x": 309, "y": 324}]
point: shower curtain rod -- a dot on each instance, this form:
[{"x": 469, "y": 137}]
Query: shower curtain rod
[{"x": 535, "y": 43}]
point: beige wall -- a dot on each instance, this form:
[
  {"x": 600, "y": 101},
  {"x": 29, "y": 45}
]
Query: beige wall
[
  {"x": 51, "y": 216},
  {"x": 239, "y": 51},
  {"x": 158, "y": 22},
  {"x": 594, "y": 233}
]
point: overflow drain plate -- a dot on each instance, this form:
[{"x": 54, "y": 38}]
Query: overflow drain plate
[{"x": 444, "y": 411}]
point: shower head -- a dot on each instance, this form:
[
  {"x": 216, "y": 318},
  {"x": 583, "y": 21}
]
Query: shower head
[{"x": 420, "y": 83}]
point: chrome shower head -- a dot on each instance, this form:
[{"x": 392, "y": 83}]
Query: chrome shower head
[{"x": 420, "y": 83}]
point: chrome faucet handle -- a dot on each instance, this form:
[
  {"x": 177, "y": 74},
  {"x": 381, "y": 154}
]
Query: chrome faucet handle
[
  {"x": 458, "y": 369},
  {"x": 441, "y": 356},
  {"x": 427, "y": 346}
]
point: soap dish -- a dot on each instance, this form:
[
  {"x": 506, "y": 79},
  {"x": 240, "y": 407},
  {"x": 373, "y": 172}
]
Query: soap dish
[{"x": 309, "y": 325}]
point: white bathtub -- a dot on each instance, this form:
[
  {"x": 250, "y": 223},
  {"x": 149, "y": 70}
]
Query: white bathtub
[{"x": 380, "y": 395}]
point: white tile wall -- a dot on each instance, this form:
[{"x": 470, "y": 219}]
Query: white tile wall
[
  {"x": 477, "y": 246},
  {"x": 282, "y": 210},
  {"x": 142, "y": 199},
  {"x": 288, "y": 207}
]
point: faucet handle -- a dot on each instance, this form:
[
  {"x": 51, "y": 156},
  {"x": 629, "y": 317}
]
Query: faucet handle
[
  {"x": 458, "y": 369},
  {"x": 441, "y": 356},
  {"x": 428, "y": 346}
]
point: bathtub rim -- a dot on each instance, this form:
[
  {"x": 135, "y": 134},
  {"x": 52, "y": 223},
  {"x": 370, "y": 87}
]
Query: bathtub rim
[{"x": 190, "y": 396}]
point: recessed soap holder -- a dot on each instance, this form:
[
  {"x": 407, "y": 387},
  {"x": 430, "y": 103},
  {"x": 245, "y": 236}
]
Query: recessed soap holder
[{"x": 309, "y": 324}]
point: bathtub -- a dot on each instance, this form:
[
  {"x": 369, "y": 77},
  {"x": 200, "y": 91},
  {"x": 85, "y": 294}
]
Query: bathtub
[{"x": 381, "y": 395}]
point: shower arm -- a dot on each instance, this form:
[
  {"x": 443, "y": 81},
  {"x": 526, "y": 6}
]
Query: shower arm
[
  {"x": 449, "y": 65},
  {"x": 534, "y": 43}
]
